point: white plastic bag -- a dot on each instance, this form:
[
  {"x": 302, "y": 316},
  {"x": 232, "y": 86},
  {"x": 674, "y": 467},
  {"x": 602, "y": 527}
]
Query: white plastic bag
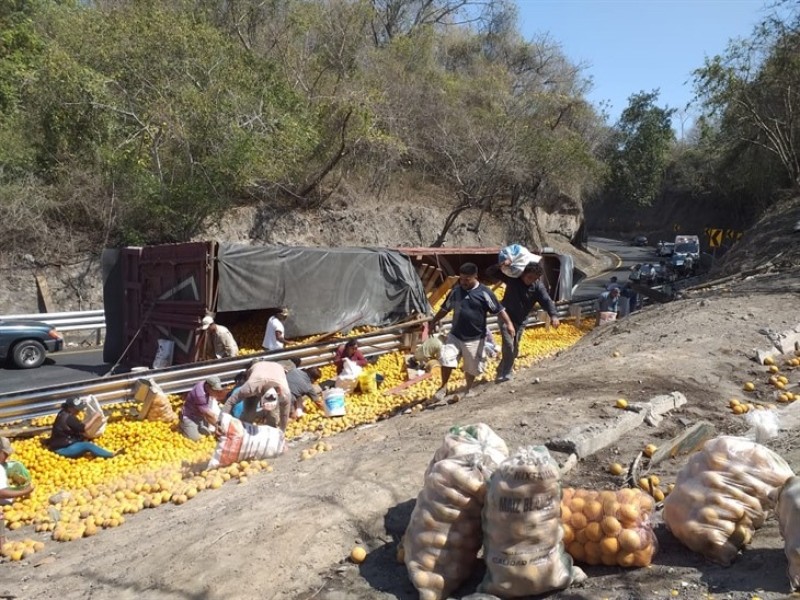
[
  {"x": 92, "y": 409},
  {"x": 163, "y": 359},
  {"x": 722, "y": 496},
  {"x": 444, "y": 534},
  {"x": 350, "y": 369},
  {"x": 478, "y": 439},
  {"x": 519, "y": 256},
  {"x": 788, "y": 511}
]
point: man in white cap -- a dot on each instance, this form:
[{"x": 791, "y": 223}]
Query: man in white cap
[
  {"x": 273, "y": 336},
  {"x": 219, "y": 342},
  {"x": 7, "y": 495}
]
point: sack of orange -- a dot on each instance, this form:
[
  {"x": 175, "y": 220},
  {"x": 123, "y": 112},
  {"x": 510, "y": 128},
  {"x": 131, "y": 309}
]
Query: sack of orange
[{"x": 608, "y": 527}]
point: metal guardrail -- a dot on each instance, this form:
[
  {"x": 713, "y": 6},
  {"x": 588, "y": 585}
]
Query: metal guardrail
[
  {"x": 29, "y": 404},
  {"x": 81, "y": 320}
]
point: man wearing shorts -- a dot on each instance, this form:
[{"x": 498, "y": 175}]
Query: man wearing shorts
[{"x": 470, "y": 302}]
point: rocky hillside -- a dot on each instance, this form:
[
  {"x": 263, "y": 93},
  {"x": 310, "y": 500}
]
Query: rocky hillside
[{"x": 346, "y": 219}]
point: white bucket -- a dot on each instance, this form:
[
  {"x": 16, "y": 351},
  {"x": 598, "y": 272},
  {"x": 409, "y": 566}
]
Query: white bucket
[{"x": 333, "y": 402}]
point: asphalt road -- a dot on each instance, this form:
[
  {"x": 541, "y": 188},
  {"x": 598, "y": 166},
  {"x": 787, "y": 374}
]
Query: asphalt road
[
  {"x": 80, "y": 365},
  {"x": 622, "y": 256}
]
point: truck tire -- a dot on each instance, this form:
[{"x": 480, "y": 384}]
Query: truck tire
[{"x": 28, "y": 354}]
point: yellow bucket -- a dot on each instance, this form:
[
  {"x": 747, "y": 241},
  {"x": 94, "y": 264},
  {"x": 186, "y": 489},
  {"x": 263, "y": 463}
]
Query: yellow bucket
[{"x": 367, "y": 383}]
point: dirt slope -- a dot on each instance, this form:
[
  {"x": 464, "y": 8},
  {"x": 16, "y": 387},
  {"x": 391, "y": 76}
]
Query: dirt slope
[{"x": 287, "y": 534}]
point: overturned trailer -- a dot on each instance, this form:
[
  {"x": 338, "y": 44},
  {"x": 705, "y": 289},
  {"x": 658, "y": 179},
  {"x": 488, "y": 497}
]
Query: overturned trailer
[
  {"x": 438, "y": 269},
  {"x": 162, "y": 292}
]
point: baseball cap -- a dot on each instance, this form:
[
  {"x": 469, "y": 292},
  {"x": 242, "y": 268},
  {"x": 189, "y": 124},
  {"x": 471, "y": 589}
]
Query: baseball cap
[
  {"x": 206, "y": 323},
  {"x": 5, "y": 446},
  {"x": 74, "y": 403},
  {"x": 214, "y": 383}
]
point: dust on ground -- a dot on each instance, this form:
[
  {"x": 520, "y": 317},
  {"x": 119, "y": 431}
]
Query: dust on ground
[{"x": 288, "y": 534}]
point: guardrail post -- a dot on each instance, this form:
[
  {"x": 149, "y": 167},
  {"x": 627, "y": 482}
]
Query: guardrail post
[
  {"x": 543, "y": 317},
  {"x": 575, "y": 311}
]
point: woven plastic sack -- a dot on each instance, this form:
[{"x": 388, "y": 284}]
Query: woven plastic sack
[
  {"x": 478, "y": 439},
  {"x": 161, "y": 410},
  {"x": 788, "y": 511},
  {"x": 520, "y": 256},
  {"x": 444, "y": 533},
  {"x": 612, "y": 528},
  {"x": 522, "y": 531},
  {"x": 242, "y": 441},
  {"x": 722, "y": 496},
  {"x": 92, "y": 409}
]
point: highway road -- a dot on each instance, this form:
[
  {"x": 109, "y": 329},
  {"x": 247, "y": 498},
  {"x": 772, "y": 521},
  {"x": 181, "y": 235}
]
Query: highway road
[
  {"x": 622, "y": 256},
  {"x": 80, "y": 365}
]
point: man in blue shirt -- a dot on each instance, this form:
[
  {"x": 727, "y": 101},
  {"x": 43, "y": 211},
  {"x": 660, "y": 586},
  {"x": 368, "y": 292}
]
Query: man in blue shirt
[
  {"x": 608, "y": 305},
  {"x": 470, "y": 302},
  {"x": 521, "y": 294}
]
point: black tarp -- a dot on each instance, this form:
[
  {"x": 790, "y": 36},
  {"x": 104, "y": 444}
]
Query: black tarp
[
  {"x": 113, "y": 298},
  {"x": 324, "y": 288}
]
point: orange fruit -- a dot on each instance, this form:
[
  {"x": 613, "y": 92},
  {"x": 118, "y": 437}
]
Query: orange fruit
[
  {"x": 577, "y": 551},
  {"x": 594, "y": 532},
  {"x": 611, "y": 526},
  {"x": 569, "y": 534},
  {"x": 578, "y": 521},
  {"x": 576, "y": 504},
  {"x": 609, "y": 546},
  {"x": 593, "y": 510},
  {"x": 593, "y": 553},
  {"x": 626, "y": 559},
  {"x": 629, "y": 540},
  {"x": 358, "y": 554}
]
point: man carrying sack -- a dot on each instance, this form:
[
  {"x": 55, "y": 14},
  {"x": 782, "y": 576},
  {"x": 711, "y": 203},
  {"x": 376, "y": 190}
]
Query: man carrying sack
[{"x": 265, "y": 382}]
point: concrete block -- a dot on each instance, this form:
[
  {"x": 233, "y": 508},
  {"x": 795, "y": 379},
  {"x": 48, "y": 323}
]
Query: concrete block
[
  {"x": 788, "y": 341},
  {"x": 663, "y": 403},
  {"x": 585, "y": 440},
  {"x": 762, "y": 355},
  {"x": 685, "y": 443}
]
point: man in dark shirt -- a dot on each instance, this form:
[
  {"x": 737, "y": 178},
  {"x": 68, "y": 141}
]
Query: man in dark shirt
[
  {"x": 521, "y": 295},
  {"x": 302, "y": 384},
  {"x": 68, "y": 436},
  {"x": 470, "y": 302}
]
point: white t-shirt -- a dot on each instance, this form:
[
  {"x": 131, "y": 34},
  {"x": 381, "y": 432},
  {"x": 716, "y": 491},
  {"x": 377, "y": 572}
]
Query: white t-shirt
[{"x": 271, "y": 342}]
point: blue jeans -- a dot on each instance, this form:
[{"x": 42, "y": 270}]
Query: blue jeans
[
  {"x": 76, "y": 449},
  {"x": 510, "y": 349}
]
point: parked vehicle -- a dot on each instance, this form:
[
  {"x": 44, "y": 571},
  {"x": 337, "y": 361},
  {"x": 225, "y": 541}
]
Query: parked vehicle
[
  {"x": 665, "y": 248},
  {"x": 26, "y": 343},
  {"x": 686, "y": 254},
  {"x": 639, "y": 240}
]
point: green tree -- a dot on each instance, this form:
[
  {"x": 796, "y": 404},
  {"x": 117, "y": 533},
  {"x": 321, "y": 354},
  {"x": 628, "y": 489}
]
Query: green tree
[
  {"x": 754, "y": 89},
  {"x": 639, "y": 150},
  {"x": 182, "y": 121}
]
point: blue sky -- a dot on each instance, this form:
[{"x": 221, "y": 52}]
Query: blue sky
[{"x": 629, "y": 46}]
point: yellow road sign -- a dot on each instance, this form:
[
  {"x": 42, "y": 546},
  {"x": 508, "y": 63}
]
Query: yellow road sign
[{"x": 715, "y": 238}]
